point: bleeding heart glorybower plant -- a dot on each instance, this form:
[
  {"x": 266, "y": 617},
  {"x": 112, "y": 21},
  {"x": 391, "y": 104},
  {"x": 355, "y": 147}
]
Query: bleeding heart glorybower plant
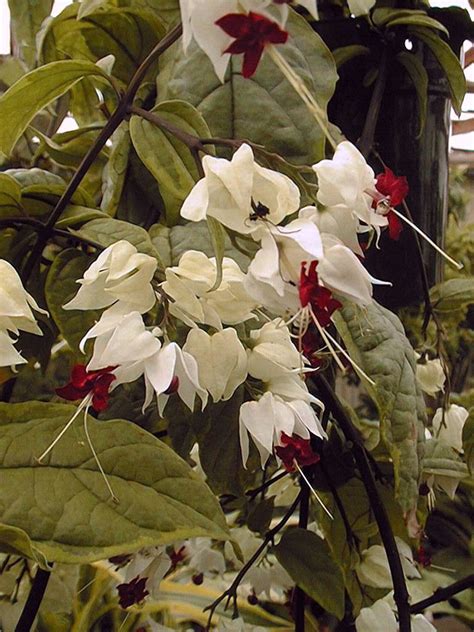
[{"x": 183, "y": 320}]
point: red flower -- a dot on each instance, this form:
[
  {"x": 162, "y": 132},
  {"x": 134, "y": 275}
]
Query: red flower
[
  {"x": 295, "y": 449},
  {"x": 394, "y": 189},
  {"x": 252, "y": 33},
  {"x": 311, "y": 342},
  {"x": 423, "y": 557},
  {"x": 315, "y": 295},
  {"x": 84, "y": 382},
  {"x": 132, "y": 593}
]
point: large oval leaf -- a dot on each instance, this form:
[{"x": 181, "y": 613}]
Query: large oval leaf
[
  {"x": 64, "y": 505},
  {"x": 35, "y": 91},
  {"x": 308, "y": 560},
  {"x": 264, "y": 109},
  {"x": 377, "y": 342}
]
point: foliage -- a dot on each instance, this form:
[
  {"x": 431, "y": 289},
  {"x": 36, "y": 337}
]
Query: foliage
[{"x": 176, "y": 265}]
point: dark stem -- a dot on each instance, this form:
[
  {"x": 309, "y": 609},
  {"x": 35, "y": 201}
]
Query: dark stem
[
  {"x": 253, "y": 493},
  {"x": 231, "y": 592},
  {"x": 442, "y": 594},
  {"x": 300, "y": 597},
  {"x": 400, "y": 593},
  {"x": 366, "y": 140},
  {"x": 33, "y": 603},
  {"x": 120, "y": 113}
]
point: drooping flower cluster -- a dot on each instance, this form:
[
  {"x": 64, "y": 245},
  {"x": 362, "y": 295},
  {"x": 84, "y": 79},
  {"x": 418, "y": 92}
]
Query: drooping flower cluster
[{"x": 16, "y": 314}]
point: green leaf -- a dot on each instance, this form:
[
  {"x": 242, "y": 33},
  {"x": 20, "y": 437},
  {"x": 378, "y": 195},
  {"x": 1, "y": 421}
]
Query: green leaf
[
  {"x": 376, "y": 340},
  {"x": 346, "y": 53},
  {"x": 70, "y": 149},
  {"x": 10, "y": 196},
  {"x": 167, "y": 158},
  {"x": 64, "y": 505},
  {"x": 217, "y": 235},
  {"x": 108, "y": 231},
  {"x": 61, "y": 285},
  {"x": 355, "y": 501},
  {"x": 384, "y": 15},
  {"x": 442, "y": 460},
  {"x": 75, "y": 215},
  {"x": 453, "y": 294},
  {"x": 113, "y": 177},
  {"x": 419, "y": 79},
  {"x": 126, "y": 33},
  {"x": 418, "y": 20},
  {"x": 264, "y": 109},
  {"x": 88, "y": 7},
  {"x": 216, "y": 430},
  {"x": 448, "y": 62},
  {"x": 35, "y": 91},
  {"x": 261, "y": 515},
  {"x": 171, "y": 243},
  {"x": 308, "y": 560},
  {"x": 26, "y": 17},
  {"x": 16, "y": 542}
]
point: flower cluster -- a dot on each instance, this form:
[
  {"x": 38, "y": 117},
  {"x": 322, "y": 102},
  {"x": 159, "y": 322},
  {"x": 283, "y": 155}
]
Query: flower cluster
[
  {"x": 253, "y": 327},
  {"x": 15, "y": 314}
]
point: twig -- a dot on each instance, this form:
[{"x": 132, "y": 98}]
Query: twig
[
  {"x": 367, "y": 138},
  {"x": 120, "y": 114},
  {"x": 231, "y": 592},
  {"x": 300, "y": 597},
  {"x": 400, "y": 594},
  {"x": 253, "y": 493},
  {"x": 442, "y": 594},
  {"x": 33, "y": 603}
]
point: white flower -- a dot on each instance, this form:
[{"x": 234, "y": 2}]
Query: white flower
[
  {"x": 189, "y": 285},
  {"x": 232, "y": 189},
  {"x": 380, "y": 616},
  {"x": 152, "y": 563},
  {"x": 120, "y": 274},
  {"x": 338, "y": 221},
  {"x": 449, "y": 429},
  {"x": 15, "y": 313},
  {"x": 272, "y": 351},
  {"x": 268, "y": 417},
  {"x": 136, "y": 351},
  {"x": 374, "y": 569},
  {"x": 128, "y": 344},
  {"x": 263, "y": 579},
  {"x": 290, "y": 387},
  {"x": 221, "y": 360},
  {"x": 342, "y": 272},
  {"x": 202, "y": 558},
  {"x": 265, "y": 294},
  {"x": 360, "y": 7},
  {"x": 347, "y": 180},
  {"x": 174, "y": 369},
  {"x": 199, "y": 22},
  {"x": 430, "y": 375},
  {"x": 283, "y": 250}
]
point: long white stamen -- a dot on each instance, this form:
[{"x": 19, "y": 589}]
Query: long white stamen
[
  {"x": 326, "y": 339},
  {"x": 86, "y": 430},
  {"x": 302, "y": 90},
  {"x": 85, "y": 402},
  {"x": 452, "y": 261},
  {"x": 303, "y": 476},
  {"x": 348, "y": 357}
]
